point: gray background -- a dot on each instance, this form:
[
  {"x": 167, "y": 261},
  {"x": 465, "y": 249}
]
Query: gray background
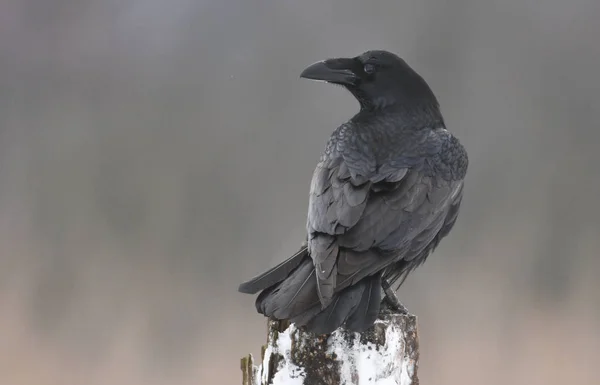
[{"x": 153, "y": 154}]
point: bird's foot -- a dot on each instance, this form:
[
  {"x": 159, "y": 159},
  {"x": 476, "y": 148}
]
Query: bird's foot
[{"x": 392, "y": 299}]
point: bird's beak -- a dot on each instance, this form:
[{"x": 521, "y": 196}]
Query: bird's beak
[{"x": 337, "y": 71}]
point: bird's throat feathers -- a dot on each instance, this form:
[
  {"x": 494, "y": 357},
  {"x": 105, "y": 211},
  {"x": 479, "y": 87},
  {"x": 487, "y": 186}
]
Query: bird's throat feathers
[
  {"x": 423, "y": 114},
  {"x": 415, "y": 106}
]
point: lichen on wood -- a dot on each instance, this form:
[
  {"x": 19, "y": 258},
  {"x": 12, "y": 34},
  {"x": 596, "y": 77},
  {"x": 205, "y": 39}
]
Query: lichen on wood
[{"x": 385, "y": 354}]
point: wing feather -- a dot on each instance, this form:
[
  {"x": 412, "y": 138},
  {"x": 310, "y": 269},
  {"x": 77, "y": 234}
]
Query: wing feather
[{"x": 364, "y": 216}]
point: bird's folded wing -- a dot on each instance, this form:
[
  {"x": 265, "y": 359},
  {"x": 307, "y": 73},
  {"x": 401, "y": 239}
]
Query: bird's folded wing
[{"x": 361, "y": 217}]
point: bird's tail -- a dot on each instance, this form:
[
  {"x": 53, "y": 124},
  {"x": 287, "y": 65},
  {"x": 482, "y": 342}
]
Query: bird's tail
[
  {"x": 289, "y": 292},
  {"x": 275, "y": 274}
]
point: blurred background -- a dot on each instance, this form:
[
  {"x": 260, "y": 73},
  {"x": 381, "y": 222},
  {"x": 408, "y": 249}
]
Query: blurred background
[{"x": 154, "y": 154}]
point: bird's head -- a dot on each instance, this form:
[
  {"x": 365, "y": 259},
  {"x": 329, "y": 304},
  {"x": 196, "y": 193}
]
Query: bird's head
[{"x": 378, "y": 79}]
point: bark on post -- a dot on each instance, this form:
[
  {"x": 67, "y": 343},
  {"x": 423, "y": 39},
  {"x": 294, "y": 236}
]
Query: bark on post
[{"x": 386, "y": 354}]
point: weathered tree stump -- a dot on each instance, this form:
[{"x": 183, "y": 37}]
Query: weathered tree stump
[{"x": 386, "y": 354}]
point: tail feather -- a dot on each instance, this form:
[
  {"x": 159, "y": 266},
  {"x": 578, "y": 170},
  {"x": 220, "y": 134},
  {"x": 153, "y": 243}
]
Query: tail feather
[
  {"x": 274, "y": 275},
  {"x": 367, "y": 310},
  {"x": 289, "y": 292},
  {"x": 334, "y": 315},
  {"x": 291, "y": 297},
  {"x": 305, "y": 317}
]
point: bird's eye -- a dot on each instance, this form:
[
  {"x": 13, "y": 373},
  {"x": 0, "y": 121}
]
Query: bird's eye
[{"x": 369, "y": 68}]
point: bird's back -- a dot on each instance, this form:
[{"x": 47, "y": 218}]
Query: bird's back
[{"x": 384, "y": 188}]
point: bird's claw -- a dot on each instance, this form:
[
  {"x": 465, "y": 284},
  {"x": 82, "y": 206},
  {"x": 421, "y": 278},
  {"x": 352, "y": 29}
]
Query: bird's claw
[{"x": 392, "y": 299}]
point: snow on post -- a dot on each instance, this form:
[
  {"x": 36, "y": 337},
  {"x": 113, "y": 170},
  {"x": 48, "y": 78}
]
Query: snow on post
[{"x": 386, "y": 354}]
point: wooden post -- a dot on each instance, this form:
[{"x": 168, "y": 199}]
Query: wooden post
[{"x": 386, "y": 354}]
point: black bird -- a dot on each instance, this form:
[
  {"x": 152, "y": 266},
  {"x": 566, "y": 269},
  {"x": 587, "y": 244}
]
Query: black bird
[{"x": 386, "y": 190}]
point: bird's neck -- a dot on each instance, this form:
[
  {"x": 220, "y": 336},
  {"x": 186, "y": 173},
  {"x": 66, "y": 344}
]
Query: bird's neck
[{"x": 411, "y": 113}]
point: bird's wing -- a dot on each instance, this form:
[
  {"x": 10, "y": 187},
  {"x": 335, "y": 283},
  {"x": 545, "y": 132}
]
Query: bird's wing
[
  {"x": 362, "y": 216},
  {"x": 426, "y": 242},
  {"x": 401, "y": 222},
  {"x": 336, "y": 204}
]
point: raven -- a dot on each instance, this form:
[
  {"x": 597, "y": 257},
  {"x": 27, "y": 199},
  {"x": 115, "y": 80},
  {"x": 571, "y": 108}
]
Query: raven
[{"x": 387, "y": 189}]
